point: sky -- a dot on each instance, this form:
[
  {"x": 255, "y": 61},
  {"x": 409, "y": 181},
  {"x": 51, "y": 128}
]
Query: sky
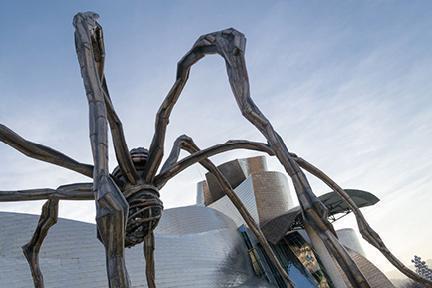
[{"x": 345, "y": 83}]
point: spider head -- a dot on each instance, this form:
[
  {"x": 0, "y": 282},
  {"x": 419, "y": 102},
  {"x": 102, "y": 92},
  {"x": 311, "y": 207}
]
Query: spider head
[{"x": 139, "y": 158}]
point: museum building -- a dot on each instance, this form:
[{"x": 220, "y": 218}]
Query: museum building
[{"x": 202, "y": 245}]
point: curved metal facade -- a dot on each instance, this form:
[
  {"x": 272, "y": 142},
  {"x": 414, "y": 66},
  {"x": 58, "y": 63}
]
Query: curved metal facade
[
  {"x": 267, "y": 197},
  {"x": 348, "y": 238},
  {"x": 245, "y": 192},
  {"x": 272, "y": 194},
  {"x": 195, "y": 247},
  {"x": 235, "y": 171},
  {"x": 374, "y": 276},
  {"x": 265, "y": 194}
]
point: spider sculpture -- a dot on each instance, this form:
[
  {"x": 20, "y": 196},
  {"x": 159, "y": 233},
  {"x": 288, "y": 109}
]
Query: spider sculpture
[{"x": 127, "y": 200}]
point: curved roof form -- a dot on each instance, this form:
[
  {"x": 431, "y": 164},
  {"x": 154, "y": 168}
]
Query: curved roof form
[
  {"x": 336, "y": 204},
  {"x": 276, "y": 228}
]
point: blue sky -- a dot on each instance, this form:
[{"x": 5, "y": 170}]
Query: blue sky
[{"x": 346, "y": 84}]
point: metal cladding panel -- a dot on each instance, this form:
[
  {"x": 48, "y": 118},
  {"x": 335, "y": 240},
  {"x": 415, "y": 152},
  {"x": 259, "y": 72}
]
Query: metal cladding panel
[
  {"x": 265, "y": 194},
  {"x": 235, "y": 171},
  {"x": 272, "y": 195},
  {"x": 253, "y": 165},
  {"x": 348, "y": 238},
  {"x": 374, "y": 276},
  {"x": 275, "y": 229},
  {"x": 202, "y": 190},
  {"x": 191, "y": 220},
  {"x": 232, "y": 171},
  {"x": 72, "y": 256},
  {"x": 245, "y": 192}
]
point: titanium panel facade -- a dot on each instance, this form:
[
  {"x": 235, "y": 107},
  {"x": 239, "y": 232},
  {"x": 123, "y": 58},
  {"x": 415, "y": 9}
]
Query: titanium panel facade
[
  {"x": 267, "y": 197},
  {"x": 272, "y": 194},
  {"x": 374, "y": 276},
  {"x": 348, "y": 238},
  {"x": 265, "y": 194},
  {"x": 245, "y": 192},
  {"x": 195, "y": 247},
  {"x": 235, "y": 171}
]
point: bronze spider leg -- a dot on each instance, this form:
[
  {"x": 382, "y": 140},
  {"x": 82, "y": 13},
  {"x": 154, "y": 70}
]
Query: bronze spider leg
[
  {"x": 78, "y": 191},
  {"x": 186, "y": 143},
  {"x": 31, "y": 250},
  {"x": 120, "y": 146},
  {"x": 149, "y": 246},
  {"x": 111, "y": 206},
  {"x": 172, "y": 168},
  {"x": 365, "y": 229},
  {"x": 41, "y": 152},
  {"x": 156, "y": 149},
  {"x": 230, "y": 44}
]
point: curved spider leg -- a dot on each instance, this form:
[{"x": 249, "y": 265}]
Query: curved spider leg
[
  {"x": 76, "y": 191},
  {"x": 31, "y": 250},
  {"x": 111, "y": 206},
  {"x": 119, "y": 141},
  {"x": 149, "y": 245},
  {"x": 120, "y": 146},
  {"x": 43, "y": 153},
  {"x": 186, "y": 143},
  {"x": 172, "y": 167},
  {"x": 156, "y": 149},
  {"x": 174, "y": 154},
  {"x": 230, "y": 44},
  {"x": 365, "y": 229}
]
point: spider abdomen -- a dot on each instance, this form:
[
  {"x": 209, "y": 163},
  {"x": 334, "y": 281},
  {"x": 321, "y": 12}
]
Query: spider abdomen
[{"x": 145, "y": 210}]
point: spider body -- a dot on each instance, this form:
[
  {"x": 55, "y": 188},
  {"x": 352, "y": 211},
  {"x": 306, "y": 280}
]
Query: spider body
[
  {"x": 145, "y": 206},
  {"x": 139, "y": 158},
  {"x": 145, "y": 210}
]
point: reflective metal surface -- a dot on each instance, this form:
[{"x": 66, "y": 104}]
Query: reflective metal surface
[
  {"x": 195, "y": 247},
  {"x": 264, "y": 193},
  {"x": 235, "y": 171},
  {"x": 348, "y": 238},
  {"x": 245, "y": 192}
]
